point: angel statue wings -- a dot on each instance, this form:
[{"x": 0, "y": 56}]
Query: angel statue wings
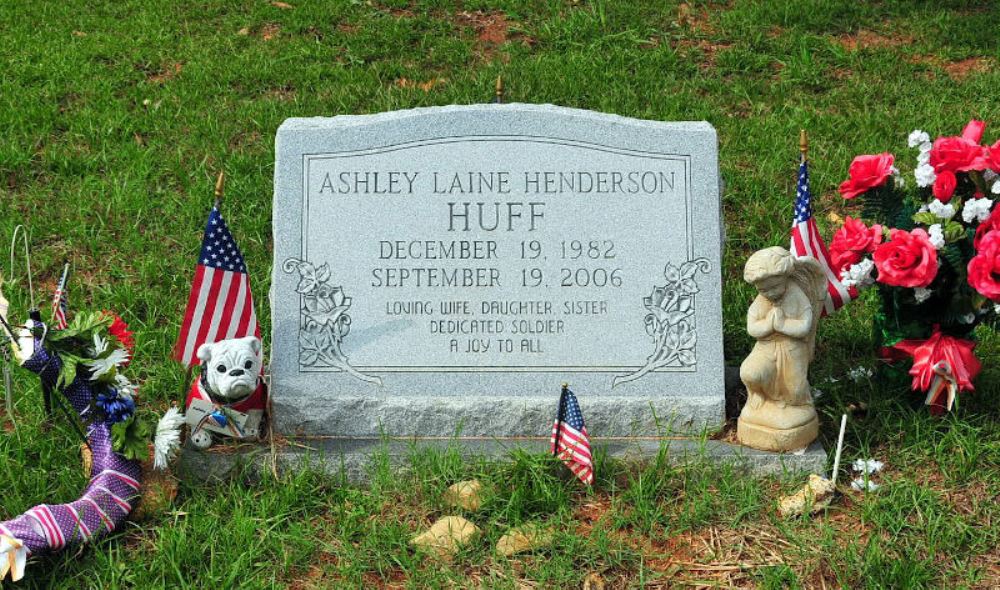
[{"x": 779, "y": 413}]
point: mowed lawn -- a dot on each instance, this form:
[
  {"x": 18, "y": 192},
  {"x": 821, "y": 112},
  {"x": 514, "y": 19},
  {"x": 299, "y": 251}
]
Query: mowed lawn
[{"x": 115, "y": 118}]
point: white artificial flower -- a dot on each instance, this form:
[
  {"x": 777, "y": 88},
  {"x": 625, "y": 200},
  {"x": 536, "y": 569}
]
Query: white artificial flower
[
  {"x": 917, "y": 137},
  {"x": 126, "y": 388},
  {"x": 867, "y": 466},
  {"x": 936, "y": 235},
  {"x": 995, "y": 189},
  {"x": 924, "y": 158},
  {"x": 13, "y": 557},
  {"x": 977, "y": 210},
  {"x": 943, "y": 210},
  {"x": 921, "y": 294},
  {"x": 924, "y": 174},
  {"x": 100, "y": 345},
  {"x": 101, "y": 367},
  {"x": 967, "y": 318},
  {"x": 864, "y": 485},
  {"x": 168, "y": 438},
  {"x": 859, "y": 275},
  {"x": 860, "y": 373}
]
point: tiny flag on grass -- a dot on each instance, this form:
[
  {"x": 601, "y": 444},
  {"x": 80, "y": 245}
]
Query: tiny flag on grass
[
  {"x": 60, "y": 304},
  {"x": 569, "y": 438},
  {"x": 806, "y": 241},
  {"x": 220, "y": 305}
]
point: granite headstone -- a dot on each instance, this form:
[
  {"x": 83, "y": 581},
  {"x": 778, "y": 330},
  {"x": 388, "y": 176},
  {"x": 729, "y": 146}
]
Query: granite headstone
[{"x": 442, "y": 271}]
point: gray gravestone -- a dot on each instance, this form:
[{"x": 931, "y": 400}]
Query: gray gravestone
[{"x": 441, "y": 272}]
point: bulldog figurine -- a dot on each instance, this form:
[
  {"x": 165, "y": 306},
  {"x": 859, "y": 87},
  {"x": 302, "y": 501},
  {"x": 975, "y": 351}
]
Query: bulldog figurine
[{"x": 229, "y": 397}]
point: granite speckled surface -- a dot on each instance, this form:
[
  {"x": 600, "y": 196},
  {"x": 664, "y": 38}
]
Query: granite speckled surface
[{"x": 402, "y": 383}]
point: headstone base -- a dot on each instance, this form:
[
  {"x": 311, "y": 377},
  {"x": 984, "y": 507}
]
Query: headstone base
[
  {"x": 474, "y": 417},
  {"x": 352, "y": 459}
]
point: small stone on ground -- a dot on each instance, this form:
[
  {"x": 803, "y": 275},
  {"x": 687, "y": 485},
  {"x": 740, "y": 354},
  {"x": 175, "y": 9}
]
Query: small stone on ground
[
  {"x": 816, "y": 494},
  {"x": 528, "y": 537},
  {"x": 446, "y": 536},
  {"x": 465, "y": 495}
]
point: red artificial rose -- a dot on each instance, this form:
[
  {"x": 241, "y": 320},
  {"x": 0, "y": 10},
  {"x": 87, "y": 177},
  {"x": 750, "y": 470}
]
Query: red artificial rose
[
  {"x": 119, "y": 329},
  {"x": 958, "y": 154},
  {"x": 973, "y": 130},
  {"x": 944, "y": 185},
  {"x": 994, "y": 152},
  {"x": 908, "y": 259},
  {"x": 866, "y": 173},
  {"x": 852, "y": 242},
  {"x": 992, "y": 223},
  {"x": 984, "y": 268}
]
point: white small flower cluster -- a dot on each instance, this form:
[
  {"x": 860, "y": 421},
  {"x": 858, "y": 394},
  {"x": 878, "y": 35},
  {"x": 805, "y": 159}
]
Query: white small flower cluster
[
  {"x": 860, "y": 374},
  {"x": 859, "y": 275},
  {"x": 943, "y": 210},
  {"x": 936, "y": 235},
  {"x": 921, "y": 294},
  {"x": 977, "y": 210},
  {"x": 924, "y": 173},
  {"x": 917, "y": 138},
  {"x": 967, "y": 318},
  {"x": 866, "y": 468}
]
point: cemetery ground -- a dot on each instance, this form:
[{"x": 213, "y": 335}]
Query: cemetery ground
[{"x": 117, "y": 117}]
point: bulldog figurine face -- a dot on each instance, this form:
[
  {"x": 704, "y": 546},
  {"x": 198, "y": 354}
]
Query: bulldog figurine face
[{"x": 230, "y": 368}]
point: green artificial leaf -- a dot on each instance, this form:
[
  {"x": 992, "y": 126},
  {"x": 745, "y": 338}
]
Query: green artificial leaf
[
  {"x": 953, "y": 231},
  {"x": 82, "y": 326},
  {"x": 70, "y": 363},
  {"x": 925, "y": 218},
  {"x": 952, "y": 254},
  {"x": 131, "y": 439},
  {"x": 883, "y": 204}
]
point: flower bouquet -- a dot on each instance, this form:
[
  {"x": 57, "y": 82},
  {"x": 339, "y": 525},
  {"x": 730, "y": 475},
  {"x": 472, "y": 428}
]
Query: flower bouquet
[
  {"x": 932, "y": 252},
  {"x": 99, "y": 346}
]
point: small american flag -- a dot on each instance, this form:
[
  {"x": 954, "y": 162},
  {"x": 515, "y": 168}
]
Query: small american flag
[
  {"x": 60, "y": 304},
  {"x": 220, "y": 305},
  {"x": 806, "y": 241},
  {"x": 569, "y": 438}
]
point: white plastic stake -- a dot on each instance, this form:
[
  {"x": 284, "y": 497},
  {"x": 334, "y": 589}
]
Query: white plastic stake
[{"x": 840, "y": 448}]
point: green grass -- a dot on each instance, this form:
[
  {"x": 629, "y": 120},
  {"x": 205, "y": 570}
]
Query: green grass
[{"x": 117, "y": 116}]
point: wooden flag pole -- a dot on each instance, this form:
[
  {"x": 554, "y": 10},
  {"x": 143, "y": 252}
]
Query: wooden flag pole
[
  {"x": 803, "y": 145},
  {"x": 220, "y": 185}
]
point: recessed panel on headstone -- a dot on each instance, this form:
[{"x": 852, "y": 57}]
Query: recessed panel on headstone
[{"x": 443, "y": 271}]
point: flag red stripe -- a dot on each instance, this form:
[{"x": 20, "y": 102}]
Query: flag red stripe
[
  {"x": 573, "y": 435},
  {"x": 572, "y": 451},
  {"x": 230, "y": 290},
  {"x": 185, "y": 334},
  {"x": 833, "y": 281},
  {"x": 210, "y": 305},
  {"x": 582, "y": 447},
  {"x": 232, "y": 323},
  {"x": 248, "y": 316}
]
